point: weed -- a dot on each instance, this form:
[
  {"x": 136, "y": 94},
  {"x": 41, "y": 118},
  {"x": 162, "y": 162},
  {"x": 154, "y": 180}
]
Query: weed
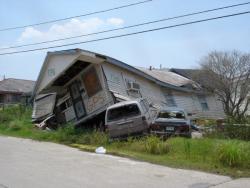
[
  {"x": 232, "y": 154},
  {"x": 187, "y": 147},
  {"x": 14, "y": 125},
  {"x": 154, "y": 145}
]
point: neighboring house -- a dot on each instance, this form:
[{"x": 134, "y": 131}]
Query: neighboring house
[
  {"x": 77, "y": 85},
  {"x": 192, "y": 74},
  {"x": 14, "y": 91}
]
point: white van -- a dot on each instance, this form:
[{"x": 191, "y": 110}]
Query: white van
[{"x": 128, "y": 118}]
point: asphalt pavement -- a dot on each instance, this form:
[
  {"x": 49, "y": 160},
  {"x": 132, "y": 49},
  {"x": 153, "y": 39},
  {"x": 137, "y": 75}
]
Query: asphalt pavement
[{"x": 26, "y": 163}]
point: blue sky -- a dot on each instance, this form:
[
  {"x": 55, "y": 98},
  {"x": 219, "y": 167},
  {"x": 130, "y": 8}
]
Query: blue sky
[{"x": 180, "y": 47}]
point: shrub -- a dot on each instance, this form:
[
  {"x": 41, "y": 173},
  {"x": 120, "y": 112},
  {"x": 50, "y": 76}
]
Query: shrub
[
  {"x": 154, "y": 145},
  {"x": 233, "y": 154},
  {"x": 231, "y": 129}
]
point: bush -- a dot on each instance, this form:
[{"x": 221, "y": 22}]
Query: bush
[
  {"x": 154, "y": 145},
  {"x": 240, "y": 131},
  {"x": 233, "y": 154},
  {"x": 231, "y": 129}
]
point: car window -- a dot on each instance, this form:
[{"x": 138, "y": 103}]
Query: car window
[
  {"x": 171, "y": 114},
  {"x": 123, "y": 112}
]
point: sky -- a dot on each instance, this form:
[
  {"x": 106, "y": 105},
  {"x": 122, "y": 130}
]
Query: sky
[{"x": 180, "y": 47}]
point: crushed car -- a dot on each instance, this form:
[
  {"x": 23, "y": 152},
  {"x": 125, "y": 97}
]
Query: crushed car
[
  {"x": 128, "y": 118},
  {"x": 171, "y": 122}
]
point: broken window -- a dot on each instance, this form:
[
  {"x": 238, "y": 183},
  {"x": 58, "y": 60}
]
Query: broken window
[
  {"x": 123, "y": 112},
  {"x": 171, "y": 114},
  {"x": 91, "y": 82},
  {"x": 66, "y": 104}
]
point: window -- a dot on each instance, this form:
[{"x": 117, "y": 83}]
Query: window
[
  {"x": 80, "y": 111},
  {"x": 171, "y": 114},
  {"x": 170, "y": 100},
  {"x": 1, "y": 98},
  {"x": 203, "y": 102},
  {"x": 51, "y": 72},
  {"x": 66, "y": 104},
  {"x": 75, "y": 90},
  {"x": 15, "y": 98},
  {"x": 123, "y": 112}
]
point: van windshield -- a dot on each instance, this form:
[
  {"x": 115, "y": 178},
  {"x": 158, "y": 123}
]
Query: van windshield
[
  {"x": 171, "y": 114},
  {"x": 123, "y": 112}
]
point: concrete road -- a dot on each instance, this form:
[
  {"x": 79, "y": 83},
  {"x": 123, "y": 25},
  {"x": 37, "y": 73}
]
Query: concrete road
[{"x": 30, "y": 164}]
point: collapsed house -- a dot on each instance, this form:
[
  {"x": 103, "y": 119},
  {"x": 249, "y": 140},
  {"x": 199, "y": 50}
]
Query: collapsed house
[{"x": 77, "y": 86}]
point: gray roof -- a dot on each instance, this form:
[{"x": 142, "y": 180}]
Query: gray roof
[
  {"x": 188, "y": 73},
  {"x": 156, "y": 79},
  {"x": 165, "y": 75},
  {"x": 11, "y": 85}
]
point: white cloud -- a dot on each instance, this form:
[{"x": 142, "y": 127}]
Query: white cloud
[
  {"x": 115, "y": 21},
  {"x": 71, "y": 28}
]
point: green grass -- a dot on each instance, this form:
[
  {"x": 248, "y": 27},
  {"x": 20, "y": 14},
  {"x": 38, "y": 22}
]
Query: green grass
[{"x": 221, "y": 156}]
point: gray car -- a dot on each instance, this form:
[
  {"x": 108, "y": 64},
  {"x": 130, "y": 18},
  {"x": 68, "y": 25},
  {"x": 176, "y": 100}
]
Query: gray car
[
  {"x": 128, "y": 118},
  {"x": 171, "y": 121}
]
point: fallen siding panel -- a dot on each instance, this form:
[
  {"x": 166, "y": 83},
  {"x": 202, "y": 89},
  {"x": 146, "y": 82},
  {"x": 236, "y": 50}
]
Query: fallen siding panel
[{"x": 43, "y": 106}]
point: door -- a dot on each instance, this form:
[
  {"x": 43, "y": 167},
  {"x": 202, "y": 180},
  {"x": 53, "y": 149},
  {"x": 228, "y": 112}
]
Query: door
[
  {"x": 77, "y": 100},
  {"x": 134, "y": 119},
  {"x": 117, "y": 125}
]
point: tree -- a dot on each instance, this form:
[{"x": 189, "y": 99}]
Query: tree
[{"x": 227, "y": 74}]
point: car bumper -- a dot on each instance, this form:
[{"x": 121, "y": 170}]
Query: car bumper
[{"x": 166, "y": 133}]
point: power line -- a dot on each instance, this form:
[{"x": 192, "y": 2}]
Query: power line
[
  {"x": 129, "y": 34},
  {"x": 127, "y": 27},
  {"x": 78, "y": 16}
]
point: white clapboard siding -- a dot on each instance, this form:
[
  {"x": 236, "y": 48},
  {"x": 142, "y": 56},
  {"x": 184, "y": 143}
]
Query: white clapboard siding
[
  {"x": 114, "y": 76},
  {"x": 56, "y": 65},
  {"x": 116, "y": 81},
  {"x": 185, "y": 101},
  {"x": 43, "y": 106}
]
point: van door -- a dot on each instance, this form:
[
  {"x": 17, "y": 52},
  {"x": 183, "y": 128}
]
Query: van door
[
  {"x": 77, "y": 100},
  {"x": 117, "y": 124},
  {"x": 134, "y": 119}
]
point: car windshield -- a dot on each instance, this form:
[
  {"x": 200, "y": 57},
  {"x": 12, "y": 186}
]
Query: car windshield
[
  {"x": 171, "y": 114},
  {"x": 123, "y": 112}
]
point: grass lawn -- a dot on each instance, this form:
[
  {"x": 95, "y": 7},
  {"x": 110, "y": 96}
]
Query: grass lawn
[{"x": 221, "y": 156}]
